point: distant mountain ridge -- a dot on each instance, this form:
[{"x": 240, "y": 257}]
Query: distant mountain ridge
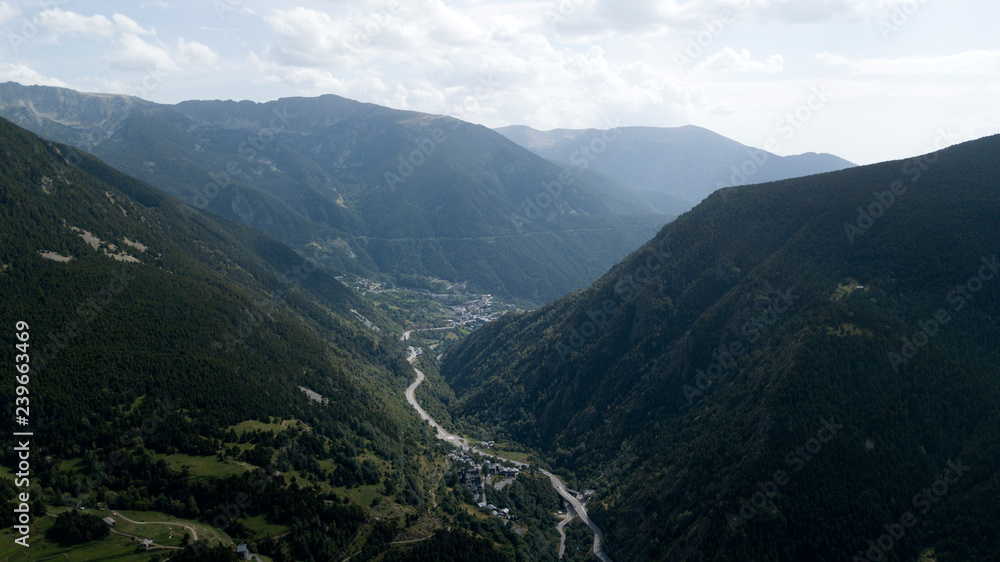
[
  {"x": 367, "y": 188},
  {"x": 671, "y": 169},
  {"x": 185, "y": 367}
]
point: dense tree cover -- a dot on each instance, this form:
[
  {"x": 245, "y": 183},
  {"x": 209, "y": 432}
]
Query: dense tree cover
[
  {"x": 579, "y": 541},
  {"x": 448, "y": 546},
  {"x": 202, "y": 551},
  {"x": 363, "y": 188},
  {"x": 532, "y": 502},
  {"x": 208, "y": 324},
  {"x": 72, "y": 528},
  {"x": 770, "y": 316}
]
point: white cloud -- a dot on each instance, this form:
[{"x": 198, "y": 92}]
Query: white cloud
[
  {"x": 725, "y": 109},
  {"x": 134, "y": 53},
  {"x": 814, "y": 11},
  {"x": 131, "y": 52},
  {"x": 604, "y": 60},
  {"x": 593, "y": 19},
  {"x": 61, "y": 22},
  {"x": 8, "y": 12},
  {"x": 23, "y": 74},
  {"x": 196, "y": 54},
  {"x": 729, "y": 60},
  {"x": 438, "y": 57},
  {"x": 981, "y": 63},
  {"x": 125, "y": 24},
  {"x": 307, "y": 37}
]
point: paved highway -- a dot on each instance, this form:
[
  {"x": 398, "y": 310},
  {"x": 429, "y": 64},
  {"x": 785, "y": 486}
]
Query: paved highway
[{"x": 462, "y": 443}]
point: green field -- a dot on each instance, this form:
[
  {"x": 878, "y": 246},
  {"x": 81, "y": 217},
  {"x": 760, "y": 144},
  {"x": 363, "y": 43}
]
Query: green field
[
  {"x": 72, "y": 466},
  {"x": 512, "y": 455},
  {"x": 201, "y": 467},
  {"x": 362, "y": 495},
  {"x": 114, "y": 547},
  {"x": 274, "y": 427},
  {"x": 263, "y": 528},
  {"x": 204, "y": 530}
]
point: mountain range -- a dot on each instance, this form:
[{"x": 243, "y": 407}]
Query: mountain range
[
  {"x": 797, "y": 370},
  {"x": 668, "y": 169},
  {"x": 800, "y": 369},
  {"x": 363, "y": 188},
  {"x": 158, "y": 338}
]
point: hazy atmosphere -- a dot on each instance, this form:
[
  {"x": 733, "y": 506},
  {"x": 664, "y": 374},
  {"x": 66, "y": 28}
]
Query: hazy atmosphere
[
  {"x": 483, "y": 281},
  {"x": 879, "y": 79}
]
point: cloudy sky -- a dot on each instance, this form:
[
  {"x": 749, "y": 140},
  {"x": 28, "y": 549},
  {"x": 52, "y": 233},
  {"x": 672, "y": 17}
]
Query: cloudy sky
[{"x": 868, "y": 80}]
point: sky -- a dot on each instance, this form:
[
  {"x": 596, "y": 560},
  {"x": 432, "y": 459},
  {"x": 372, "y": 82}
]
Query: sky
[{"x": 867, "y": 80}]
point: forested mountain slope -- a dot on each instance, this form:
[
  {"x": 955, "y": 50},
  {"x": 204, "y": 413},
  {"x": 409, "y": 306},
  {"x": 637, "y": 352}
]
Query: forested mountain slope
[
  {"x": 369, "y": 188},
  {"x": 158, "y": 332},
  {"x": 828, "y": 342}
]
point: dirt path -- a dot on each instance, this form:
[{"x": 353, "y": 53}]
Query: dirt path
[
  {"x": 154, "y": 547},
  {"x": 194, "y": 532},
  {"x": 413, "y": 540}
]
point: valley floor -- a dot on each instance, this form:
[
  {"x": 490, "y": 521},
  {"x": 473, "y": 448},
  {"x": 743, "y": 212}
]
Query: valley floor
[{"x": 577, "y": 508}]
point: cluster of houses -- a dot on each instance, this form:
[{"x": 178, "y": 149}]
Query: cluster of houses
[
  {"x": 501, "y": 470},
  {"x": 473, "y": 480},
  {"x": 477, "y": 312},
  {"x": 471, "y": 476},
  {"x": 362, "y": 285},
  {"x": 497, "y": 512}
]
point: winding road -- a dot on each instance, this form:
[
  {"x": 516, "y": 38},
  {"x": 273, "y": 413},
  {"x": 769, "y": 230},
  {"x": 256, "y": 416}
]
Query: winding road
[
  {"x": 561, "y": 527},
  {"x": 462, "y": 443},
  {"x": 580, "y": 511}
]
